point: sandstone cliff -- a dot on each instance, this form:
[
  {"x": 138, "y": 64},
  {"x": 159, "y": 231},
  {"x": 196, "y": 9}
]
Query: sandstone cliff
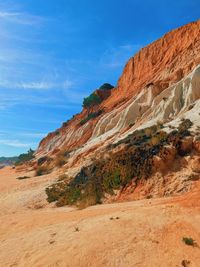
[{"x": 157, "y": 72}]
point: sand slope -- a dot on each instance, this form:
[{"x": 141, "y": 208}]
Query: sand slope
[{"x": 145, "y": 233}]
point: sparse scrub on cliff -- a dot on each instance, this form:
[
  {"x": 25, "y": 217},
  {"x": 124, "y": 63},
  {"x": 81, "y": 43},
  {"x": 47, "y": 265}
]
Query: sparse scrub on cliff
[
  {"x": 89, "y": 186},
  {"x": 63, "y": 177},
  {"x": 79, "y": 192},
  {"x": 184, "y": 126},
  {"x": 91, "y": 100},
  {"x": 106, "y": 175},
  {"x": 112, "y": 181},
  {"x": 106, "y": 86},
  {"x": 25, "y": 157},
  {"x": 158, "y": 138},
  {"x": 71, "y": 196},
  {"x": 91, "y": 116}
]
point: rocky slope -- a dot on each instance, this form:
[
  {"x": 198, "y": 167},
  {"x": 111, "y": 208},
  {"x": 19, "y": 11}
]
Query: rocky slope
[
  {"x": 151, "y": 75},
  {"x": 159, "y": 87}
]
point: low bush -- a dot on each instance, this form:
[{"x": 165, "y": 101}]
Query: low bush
[
  {"x": 112, "y": 181},
  {"x": 106, "y": 86},
  {"x": 25, "y": 157},
  {"x": 189, "y": 241},
  {"x": 63, "y": 177},
  {"x": 63, "y": 193},
  {"x": 91, "y": 100},
  {"x": 184, "y": 126}
]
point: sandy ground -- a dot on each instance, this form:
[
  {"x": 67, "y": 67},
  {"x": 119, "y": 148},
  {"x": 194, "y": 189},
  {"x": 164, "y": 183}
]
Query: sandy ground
[{"x": 145, "y": 233}]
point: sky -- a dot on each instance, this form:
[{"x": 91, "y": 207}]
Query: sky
[{"x": 54, "y": 53}]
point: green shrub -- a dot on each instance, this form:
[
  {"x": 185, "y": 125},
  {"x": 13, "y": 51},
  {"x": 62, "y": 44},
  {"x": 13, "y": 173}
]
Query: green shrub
[
  {"x": 106, "y": 86},
  {"x": 91, "y": 100},
  {"x": 71, "y": 196},
  {"x": 189, "y": 241},
  {"x": 112, "y": 181},
  {"x": 53, "y": 193},
  {"x": 25, "y": 157}
]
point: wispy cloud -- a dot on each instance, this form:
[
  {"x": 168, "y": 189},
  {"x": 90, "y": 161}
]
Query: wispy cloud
[
  {"x": 20, "y": 18},
  {"x": 22, "y": 67},
  {"x": 44, "y": 85},
  {"x": 15, "y": 143}
]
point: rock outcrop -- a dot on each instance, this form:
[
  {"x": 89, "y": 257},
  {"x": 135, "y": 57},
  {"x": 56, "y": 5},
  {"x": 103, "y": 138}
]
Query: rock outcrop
[{"x": 161, "y": 82}]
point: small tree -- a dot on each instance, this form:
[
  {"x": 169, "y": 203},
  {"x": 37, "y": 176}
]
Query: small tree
[
  {"x": 25, "y": 157},
  {"x": 106, "y": 86},
  {"x": 91, "y": 100}
]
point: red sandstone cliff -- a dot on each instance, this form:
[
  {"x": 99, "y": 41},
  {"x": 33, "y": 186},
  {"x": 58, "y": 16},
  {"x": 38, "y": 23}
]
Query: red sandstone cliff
[{"x": 156, "y": 67}]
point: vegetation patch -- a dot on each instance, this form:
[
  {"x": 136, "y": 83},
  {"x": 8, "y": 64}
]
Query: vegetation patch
[
  {"x": 94, "y": 99},
  {"x": 103, "y": 176},
  {"x": 91, "y": 100},
  {"x": 106, "y": 86},
  {"x": 189, "y": 241},
  {"x": 25, "y": 157}
]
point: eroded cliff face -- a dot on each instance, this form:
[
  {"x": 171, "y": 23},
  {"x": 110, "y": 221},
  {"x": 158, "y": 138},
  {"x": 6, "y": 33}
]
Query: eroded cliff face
[
  {"x": 160, "y": 83},
  {"x": 163, "y": 62}
]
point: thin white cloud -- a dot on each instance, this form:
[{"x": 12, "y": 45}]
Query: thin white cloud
[
  {"x": 8, "y": 14},
  {"x": 43, "y": 85},
  {"x": 15, "y": 143},
  {"x": 67, "y": 84},
  {"x": 35, "y": 85},
  {"x": 20, "y": 18}
]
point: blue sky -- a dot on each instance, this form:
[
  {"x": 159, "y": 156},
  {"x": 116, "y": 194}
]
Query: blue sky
[{"x": 55, "y": 52}]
